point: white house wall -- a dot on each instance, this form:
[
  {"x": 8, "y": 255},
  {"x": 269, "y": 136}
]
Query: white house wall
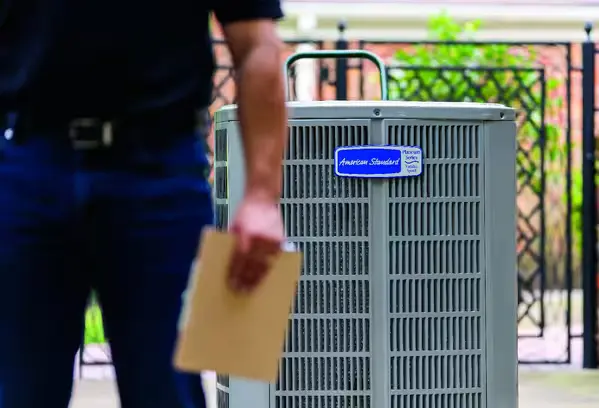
[{"x": 369, "y": 20}]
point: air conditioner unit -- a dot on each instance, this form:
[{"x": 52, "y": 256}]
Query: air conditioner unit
[{"x": 406, "y": 216}]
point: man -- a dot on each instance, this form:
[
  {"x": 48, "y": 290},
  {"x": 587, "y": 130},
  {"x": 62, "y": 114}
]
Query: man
[{"x": 103, "y": 186}]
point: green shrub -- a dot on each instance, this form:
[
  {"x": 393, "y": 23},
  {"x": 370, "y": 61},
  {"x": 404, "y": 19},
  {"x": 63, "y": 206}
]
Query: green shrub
[{"x": 463, "y": 70}]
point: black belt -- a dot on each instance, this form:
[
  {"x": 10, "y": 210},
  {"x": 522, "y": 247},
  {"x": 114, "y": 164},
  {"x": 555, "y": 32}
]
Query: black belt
[
  {"x": 86, "y": 133},
  {"x": 159, "y": 128}
]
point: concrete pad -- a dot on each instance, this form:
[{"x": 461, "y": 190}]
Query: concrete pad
[
  {"x": 563, "y": 388},
  {"x": 103, "y": 393},
  {"x": 556, "y": 388},
  {"x": 94, "y": 394}
]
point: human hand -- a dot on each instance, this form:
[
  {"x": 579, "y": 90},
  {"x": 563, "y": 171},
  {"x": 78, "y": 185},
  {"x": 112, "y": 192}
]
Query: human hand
[{"x": 259, "y": 233}]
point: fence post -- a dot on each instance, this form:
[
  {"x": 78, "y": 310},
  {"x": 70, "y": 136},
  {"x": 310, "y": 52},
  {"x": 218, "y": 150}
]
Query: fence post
[
  {"x": 341, "y": 65},
  {"x": 589, "y": 204}
]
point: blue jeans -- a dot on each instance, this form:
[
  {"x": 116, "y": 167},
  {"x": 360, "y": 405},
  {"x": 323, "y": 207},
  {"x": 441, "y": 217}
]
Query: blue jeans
[{"x": 72, "y": 221}]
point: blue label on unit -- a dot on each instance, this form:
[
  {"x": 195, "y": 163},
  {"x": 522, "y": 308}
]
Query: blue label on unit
[{"x": 378, "y": 161}]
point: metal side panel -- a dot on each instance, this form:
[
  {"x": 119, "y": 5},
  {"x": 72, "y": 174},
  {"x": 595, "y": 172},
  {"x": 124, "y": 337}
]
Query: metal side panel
[
  {"x": 240, "y": 392},
  {"x": 327, "y": 361},
  {"x": 244, "y": 393},
  {"x": 436, "y": 280},
  {"x": 235, "y": 167},
  {"x": 221, "y": 213},
  {"x": 501, "y": 265}
]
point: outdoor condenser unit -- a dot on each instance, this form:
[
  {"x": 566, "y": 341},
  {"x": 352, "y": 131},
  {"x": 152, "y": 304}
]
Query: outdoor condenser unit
[{"x": 405, "y": 213}]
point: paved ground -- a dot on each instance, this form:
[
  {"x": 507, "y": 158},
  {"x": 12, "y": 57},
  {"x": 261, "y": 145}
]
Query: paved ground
[
  {"x": 102, "y": 393},
  {"x": 565, "y": 388},
  {"x": 538, "y": 388},
  {"x": 547, "y": 387}
]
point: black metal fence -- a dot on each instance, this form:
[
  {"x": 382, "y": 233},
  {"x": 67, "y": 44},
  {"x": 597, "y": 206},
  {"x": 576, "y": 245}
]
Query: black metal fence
[
  {"x": 552, "y": 86},
  {"x": 538, "y": 79}
]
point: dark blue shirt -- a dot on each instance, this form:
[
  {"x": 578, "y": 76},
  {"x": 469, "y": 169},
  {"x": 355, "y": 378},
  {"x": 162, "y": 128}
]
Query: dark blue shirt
[{"x": 93, "y": 57}]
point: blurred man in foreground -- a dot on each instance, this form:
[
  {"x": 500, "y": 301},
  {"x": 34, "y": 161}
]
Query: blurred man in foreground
[{"x": 103, "y": 181}]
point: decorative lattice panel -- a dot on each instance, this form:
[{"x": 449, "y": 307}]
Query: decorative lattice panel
[
  {"x": 435, "y": 277},
  {"x": 327, "y": 360}
]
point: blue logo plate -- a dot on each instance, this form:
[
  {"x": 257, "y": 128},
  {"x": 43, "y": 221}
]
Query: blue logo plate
[{"x": 378, "y": 161}]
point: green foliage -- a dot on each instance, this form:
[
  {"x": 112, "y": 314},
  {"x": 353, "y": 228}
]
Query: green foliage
[
  {"x": 451, "y": 66},
  {"x": 496, "y": 73}
]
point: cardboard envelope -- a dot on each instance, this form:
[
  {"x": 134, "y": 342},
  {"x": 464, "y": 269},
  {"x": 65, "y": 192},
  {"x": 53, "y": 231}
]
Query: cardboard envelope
[{"x": 228, "y": 332}]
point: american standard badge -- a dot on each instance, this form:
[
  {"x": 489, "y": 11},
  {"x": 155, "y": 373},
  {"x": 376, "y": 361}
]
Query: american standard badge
[{"x": 384, "y": 161}]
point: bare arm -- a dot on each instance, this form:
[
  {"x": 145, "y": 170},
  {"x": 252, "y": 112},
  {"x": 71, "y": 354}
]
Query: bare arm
[
  {"x": 250, "y": 32},
  {"x": 257, "y": 52}
]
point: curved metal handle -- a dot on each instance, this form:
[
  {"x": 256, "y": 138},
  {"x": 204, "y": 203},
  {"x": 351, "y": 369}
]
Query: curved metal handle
[{"x": 336, "y": 54}]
